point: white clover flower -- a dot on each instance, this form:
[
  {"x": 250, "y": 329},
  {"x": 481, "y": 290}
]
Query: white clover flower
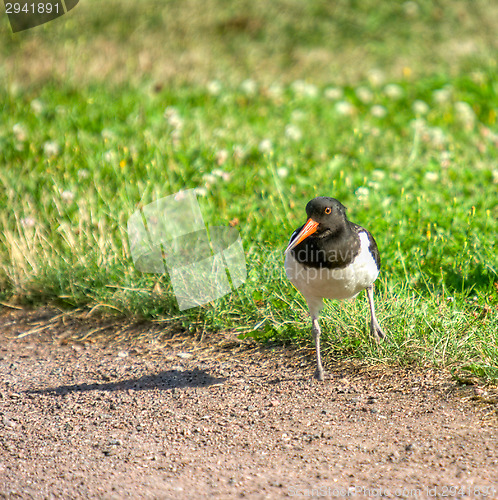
[
  {"x": 293, "y": 133},
  {"x": 376, "y": 77},
  {"x": 364, "y": 94},
  {"x": 334, "y": 93},
  {"x": 83, "y": 173},
  {"x": 362, "y": 193},
  {"x": 393, "y": 91},
  {"x": 37, "y": 106},
  {"x": 311, "y": 90},
  {"x": 275, "y": 90},
  {"x": 265, "y": 146},
  {"x": 201, "y": 191},
  {"x": 170, "y": 111},
  {"x": 465, "y": 113},
  {"x": 344, "y": 108},
  {"x": 420, "y": 107},
  {"x": 378, "y": 175},
  {"x": 298, "y": 86},
  {"x": 19, "y": 132},
  {"x": 176, "y": 135},
  {"x": 442, "y": 96},
  {"x": 445, "y": 159},
  {"x": 239, "y": 152},
  {"x": 419, "y": 125},
  {"x": 221, "y": 156},
  {"x": 431, "y": 176},
  {"x": 214, "y": 87},
  {"x": 28, "y": 222},
  {"x": 173, "y": 118},
  {"x": 67, "y": 196},
  {"x": 437, "y": 136},
  {"x": 221, "y": 173},
  {"x": 378, "y": 111},
  {"x": 51, "y": 148},
  {"x": 110, "y": 156},
  {"x": 283, "y": 172},
  {"x": 107, "y": 134},
  {"x": 298, "y": 115},
  {"x": 209, "y": 179},
  {"x": 304, "y": 89},
  {"x": 249, "y": 87}
]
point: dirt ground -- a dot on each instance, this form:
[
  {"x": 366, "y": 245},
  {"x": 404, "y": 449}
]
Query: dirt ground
[{"x": 158, "y": 414}]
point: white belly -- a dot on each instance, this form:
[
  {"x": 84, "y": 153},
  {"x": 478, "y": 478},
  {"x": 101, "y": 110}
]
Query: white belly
[{"x": 345, "y": 283}]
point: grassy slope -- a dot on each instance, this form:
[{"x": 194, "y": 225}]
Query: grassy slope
[{"x": 423, "y": 181}]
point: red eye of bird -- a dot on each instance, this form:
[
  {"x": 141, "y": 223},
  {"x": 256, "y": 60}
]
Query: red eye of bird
[{"x": 328, "y": 210}]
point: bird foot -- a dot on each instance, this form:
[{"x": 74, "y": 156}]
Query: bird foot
[
  {"x": 377, "y": 332},
  {"x": 319, "y": 374}
]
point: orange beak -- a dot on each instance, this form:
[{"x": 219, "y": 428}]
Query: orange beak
[{"x": 308, "y": 229}]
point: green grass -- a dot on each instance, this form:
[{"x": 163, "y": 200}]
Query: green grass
[
  {"x": 389, "y": 109},
  {"x": 283, "y": 40},
  {"x": 425, "y": 187}
]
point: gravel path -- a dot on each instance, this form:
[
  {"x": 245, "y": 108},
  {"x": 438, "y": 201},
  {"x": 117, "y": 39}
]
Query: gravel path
[{"x": 154, "y": 414}]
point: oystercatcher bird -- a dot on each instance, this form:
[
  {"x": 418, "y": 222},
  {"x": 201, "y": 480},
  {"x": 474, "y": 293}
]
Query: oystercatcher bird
[{"x": 333, "y": 258}]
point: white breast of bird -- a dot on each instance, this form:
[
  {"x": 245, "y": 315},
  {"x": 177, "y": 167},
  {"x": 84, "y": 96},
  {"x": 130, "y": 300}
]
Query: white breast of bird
[{"x": 343, "y": 283}]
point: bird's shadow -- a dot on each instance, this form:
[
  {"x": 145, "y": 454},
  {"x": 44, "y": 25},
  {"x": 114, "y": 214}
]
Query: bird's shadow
[{"x": 166, "y": 380}]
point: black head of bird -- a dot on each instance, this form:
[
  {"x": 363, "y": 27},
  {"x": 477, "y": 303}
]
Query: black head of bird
[{"x": 326, "y": 217}]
